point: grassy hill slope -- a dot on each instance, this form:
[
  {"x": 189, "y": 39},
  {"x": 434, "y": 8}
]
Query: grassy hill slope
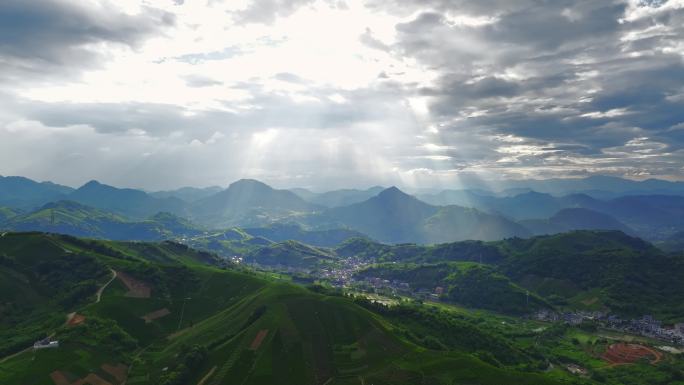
[
  {"x": 466, "y": 283},
  {"x": 168, "y": 318}
]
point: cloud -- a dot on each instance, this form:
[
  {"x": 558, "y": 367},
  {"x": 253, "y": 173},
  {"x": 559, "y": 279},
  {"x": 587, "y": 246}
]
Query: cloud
[
  {"x": 330, "y": 93},
  {"x": 57, "y": 35}
]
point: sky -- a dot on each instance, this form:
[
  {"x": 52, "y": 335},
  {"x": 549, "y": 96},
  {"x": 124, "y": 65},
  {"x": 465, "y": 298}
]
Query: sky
[{"x": 159, "y": 94}]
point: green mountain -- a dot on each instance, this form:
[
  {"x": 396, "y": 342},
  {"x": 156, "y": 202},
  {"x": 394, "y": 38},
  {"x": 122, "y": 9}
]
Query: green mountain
[
  {"x": 24, "y": 193},
  {"x": 466, "y": 283},
  {"x": 391, "y": 216},
  {"x": 248, "y": 203},
  {"x": 66, "y": 217},
  {"x": 575, "y": 219},
  {"x": 7, "y": 213},
  {"x": 130, "y": 203},
  {"x": 598, "y": 269},
  {"x": 290, "y": 254},
  {"x": 159, "y": 314},
  {"x": 279, "y": 232},
  {"x": 395, "y": 217},
  {"x": 593, "y": 270}
]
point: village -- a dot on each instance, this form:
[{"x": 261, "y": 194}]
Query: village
[
  {"x": 646, "y": 326},
  {"x": 345, "y": 276}
]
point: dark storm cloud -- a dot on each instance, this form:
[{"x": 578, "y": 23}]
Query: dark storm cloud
[
  {"x": 39, "y": 36},
  {"x": 588, "y": 79}
]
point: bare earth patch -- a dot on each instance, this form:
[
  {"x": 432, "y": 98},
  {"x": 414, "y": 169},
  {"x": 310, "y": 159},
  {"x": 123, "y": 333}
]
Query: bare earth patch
[
  {"x": 92, "y": 379},
  {"x": 258, "y": 339},
  {"x": 620, "y": 354},
  {"x": 136, "y": 288},
  {"x": 59, "y": 378},
  {"x": 118, "y": 371},
  {"x": 149, "y": 317},
  {"x": 76, "y": 320}
]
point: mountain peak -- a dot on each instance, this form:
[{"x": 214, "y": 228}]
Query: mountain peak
[
  {"x": 253, "y": 183},
  {"x": 392, "y": 192},
  {"x": 91, "y": 184}
]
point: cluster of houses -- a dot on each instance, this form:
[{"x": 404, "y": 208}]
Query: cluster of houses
[
  {"x": 646, "y": 326},
  {"x": 401, "y": 288},
  {"x": 342, "y": 275},
  {"x": 376, "y": 283}
]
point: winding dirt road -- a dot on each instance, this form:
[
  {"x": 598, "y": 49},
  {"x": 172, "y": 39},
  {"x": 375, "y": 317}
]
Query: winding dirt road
[{"x": 103, "y": 287}]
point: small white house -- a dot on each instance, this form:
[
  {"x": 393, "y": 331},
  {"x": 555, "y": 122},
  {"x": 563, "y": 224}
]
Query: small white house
[{"x": 45, "y": 344}]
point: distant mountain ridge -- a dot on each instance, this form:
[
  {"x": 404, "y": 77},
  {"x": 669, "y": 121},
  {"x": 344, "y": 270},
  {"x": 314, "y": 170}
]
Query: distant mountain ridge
[
  {"x": 338, "y": 198},
  {"x": 129, "y": 202},
  {"x": 188, "y": 194},
  {"x": 396, "y": 217},
  {"x": 389, "y": 215},
  {"x": 24, "y": 193},
  {"x": 248, "y": 202},
  {"x": 575, "y": 219},
  {"x": 68, "y": 217}
]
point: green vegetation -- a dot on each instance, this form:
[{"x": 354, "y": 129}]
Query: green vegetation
[
  {"x": 7, "y": 213},
  {"x": 466, "y": 283},
  {"x": 592, "y": 270},
  {"x": 249, "y": 329},
  {"x": 628, "y": 276},
  {"x": 290, "y": 253},
  {"x": 281, "y": 232}
]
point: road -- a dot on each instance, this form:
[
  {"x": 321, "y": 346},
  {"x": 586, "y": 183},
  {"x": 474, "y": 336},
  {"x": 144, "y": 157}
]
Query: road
[{"x": 103, "y": 287}]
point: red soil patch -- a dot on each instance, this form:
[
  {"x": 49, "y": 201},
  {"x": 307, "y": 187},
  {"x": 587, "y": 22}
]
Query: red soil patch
[
  {"x": 136, "y": 288},
  {"x": 76, "y": 320},
  {"x": 258, "y": 339},
  {"x": 620, "y": 354},
  {"x": 91, "y": 379},
  {"x": 59, "y": 378},
  {"x": 118, "y": 371},
  {"x": 149, "y": 317}
]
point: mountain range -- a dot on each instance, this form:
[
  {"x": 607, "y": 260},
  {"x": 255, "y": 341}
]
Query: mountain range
[{"x": 388, "y": 215}]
